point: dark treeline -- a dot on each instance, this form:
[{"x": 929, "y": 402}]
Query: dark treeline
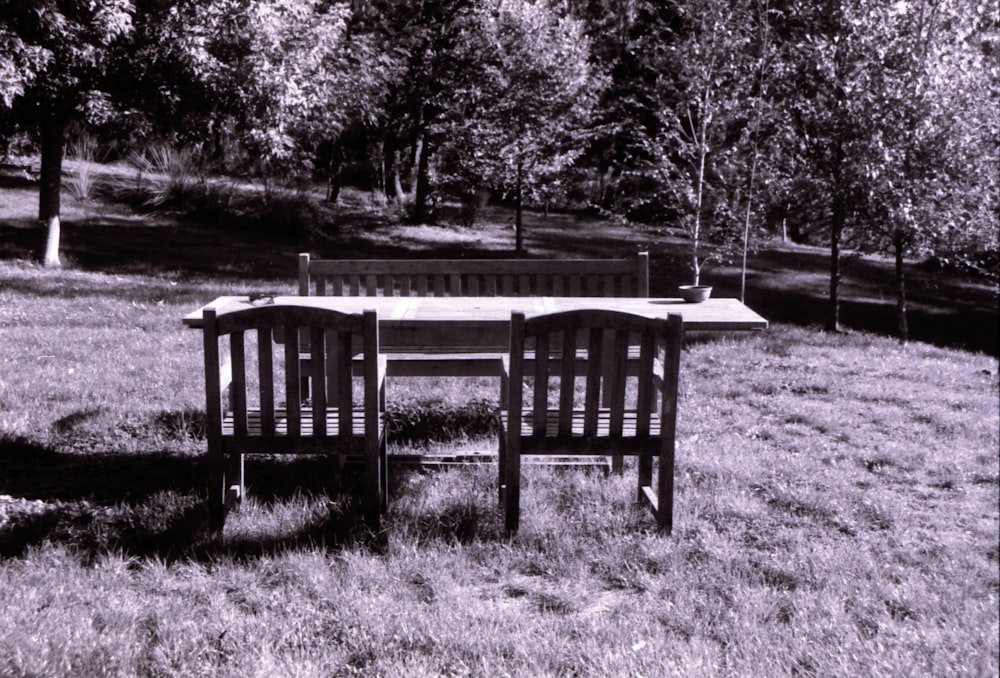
[{"x": 863, "y": 124}]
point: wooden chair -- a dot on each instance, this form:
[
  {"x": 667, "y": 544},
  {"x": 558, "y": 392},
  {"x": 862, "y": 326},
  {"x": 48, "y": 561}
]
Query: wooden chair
[
  {"x": 573, "y": 421},
  {"x": 260, "y": 411}
]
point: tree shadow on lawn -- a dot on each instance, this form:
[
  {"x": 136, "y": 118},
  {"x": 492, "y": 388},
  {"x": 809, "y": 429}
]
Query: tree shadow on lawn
[
  {"x": 785, "y": 283},
  {"x": 153, "y": 504},
  {"x": 129, "y": 245}
]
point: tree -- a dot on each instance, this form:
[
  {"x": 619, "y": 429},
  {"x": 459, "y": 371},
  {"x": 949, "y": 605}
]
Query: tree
[
  {"x": 697, "y": 113},
  {"x": 894, "y": 125},
  {"x": 522, "y": 117},
  {"x": 822, "y": 94},
  {"x": 279, "y": 77},
  {"x": 930, "y": 164},
  {"x": 60, "y": 50}
]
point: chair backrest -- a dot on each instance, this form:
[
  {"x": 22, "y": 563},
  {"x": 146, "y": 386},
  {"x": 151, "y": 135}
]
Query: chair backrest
[
  {"x": 264, "y": 401},
  {"x": 593, "y": 347},
  {"x": 475, "y": 277}
]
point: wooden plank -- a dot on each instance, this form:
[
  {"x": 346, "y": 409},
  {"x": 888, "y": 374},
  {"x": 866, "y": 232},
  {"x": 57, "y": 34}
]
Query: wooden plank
[
  {"x": 318, "y": 348},
  {"x": 238, "y": 393},
  {"x": 567, "y": 382},
  {"x": 593, "y": 389},
  {"x": 457, "y": 313},
  {"x": 294, "y": 422},
  {"x": 616, "y": 380},
  {"x": 541, "y": 394},
  {"x": 265, "y": 373}
]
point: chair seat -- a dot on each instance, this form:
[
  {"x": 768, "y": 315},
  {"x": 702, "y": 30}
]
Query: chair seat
[
  {"x": 576, "y": 425},
  {"x": 255, "y": 429}
]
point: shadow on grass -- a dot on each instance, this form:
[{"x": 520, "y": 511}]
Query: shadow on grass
[
  {"x": 785, "y": 284},
  {"x": 154, "y": 505}
]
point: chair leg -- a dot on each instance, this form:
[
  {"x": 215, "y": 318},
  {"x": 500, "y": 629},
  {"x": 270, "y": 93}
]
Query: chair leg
[
  {"x": 645, "y": 464},
  {"x": 501, "y": 465},
  {"x": 512, "y": 491},
  {"x": 665, "y": 492},
  {"x": 373, "y": 483},
  {"x": 384, "y": 468},
  {"x": 216, "y": 488}
]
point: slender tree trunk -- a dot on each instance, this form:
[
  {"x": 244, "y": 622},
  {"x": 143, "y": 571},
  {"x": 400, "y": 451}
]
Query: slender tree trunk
[
  {"x": 335, "y": 171},
  {"x": 53, "y": 131},
  {"x": 746, "y": 228},
  {"x": 904, "y": 329},
  {"x": 836, "y": 231},
  {"x": 397, "y": 179},
  {"x": 518, "y": 218},
  {"x": 696, "y": 233},
  {"x": 380, "y": 184},
  {"x": 422, "y": 188}
]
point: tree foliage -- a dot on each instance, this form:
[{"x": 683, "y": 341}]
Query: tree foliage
[
  {"x": 518, "y": 113},
  {"x": 867, "y": 124}
]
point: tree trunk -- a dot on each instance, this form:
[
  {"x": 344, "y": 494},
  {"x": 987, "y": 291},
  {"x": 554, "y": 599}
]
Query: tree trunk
[
  {"x": 422, "y": 189},
  {"x": 518, "y": 216},
  {"x": 696, "y": 233},
  {"x": 836, "y": 231},
  {"x": 397, "y": 179},
  {"x": 904, "y": 329},
  {"x": 53, "y": 130},
  {"x": 335, "y": 171},
  {"x": 746, "y": 227}
]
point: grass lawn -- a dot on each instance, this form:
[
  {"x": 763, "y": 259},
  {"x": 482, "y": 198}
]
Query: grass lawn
[{"x": 837, "y": 495}]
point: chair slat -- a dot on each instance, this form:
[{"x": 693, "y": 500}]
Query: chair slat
[
  {"x": 238, "y": 399},
  {"x": 567, "y": 380},
  {"x": 292, "y": 384},
  {"x": 541, "y": 396},
  {"x": 318, "y": 349},
  {"x": 616, "y": 380},
  {"x": 265, "y": 377},
  {"x": 345, "y": 399},
  {"x": 645, "y": 399},
  {"x": 592, "y": 402}
]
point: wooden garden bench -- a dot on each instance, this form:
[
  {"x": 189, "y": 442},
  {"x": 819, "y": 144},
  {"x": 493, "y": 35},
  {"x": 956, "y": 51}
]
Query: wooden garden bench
[
  {"x": 469, "y": 278},
  {"x": 475, "y": 277},
  {"x": 602, "y": 417},
  {"x": 259, "y": 410}
]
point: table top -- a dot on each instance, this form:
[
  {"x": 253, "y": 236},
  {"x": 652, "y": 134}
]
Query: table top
[{"x": 719, "y": 314}]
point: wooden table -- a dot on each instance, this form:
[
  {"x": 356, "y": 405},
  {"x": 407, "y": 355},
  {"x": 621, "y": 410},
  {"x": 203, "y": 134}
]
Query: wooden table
[{"x": 460, "y": 324}]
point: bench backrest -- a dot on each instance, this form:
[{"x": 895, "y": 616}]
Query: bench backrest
[{"x": 475, "y": 277}]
